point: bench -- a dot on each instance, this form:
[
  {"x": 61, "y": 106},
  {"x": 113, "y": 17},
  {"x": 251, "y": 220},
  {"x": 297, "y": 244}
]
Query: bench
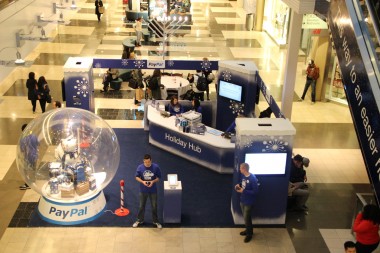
[
  {"x": 146, "y": 35},
  {"x": 116, "y": 84},
  {"x": 129, "y": 45}
]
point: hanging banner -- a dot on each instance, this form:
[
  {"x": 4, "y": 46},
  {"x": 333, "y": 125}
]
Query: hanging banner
[{"x": 361, "y": 86}]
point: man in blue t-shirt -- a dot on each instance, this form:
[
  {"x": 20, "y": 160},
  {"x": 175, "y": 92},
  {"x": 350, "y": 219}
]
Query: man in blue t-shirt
[
  {"x": 148, "y": 174},
  {"x": 248, "y": 188}
]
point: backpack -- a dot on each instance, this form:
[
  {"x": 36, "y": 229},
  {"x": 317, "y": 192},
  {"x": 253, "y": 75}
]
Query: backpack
[
  {"x": 133, "y": 83},
  {"x": 202, "y": 83},
  {"x": 189, "y": 95}
]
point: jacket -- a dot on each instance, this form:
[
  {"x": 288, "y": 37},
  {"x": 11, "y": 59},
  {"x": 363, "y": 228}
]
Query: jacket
[{"x": 366, "y": 231}]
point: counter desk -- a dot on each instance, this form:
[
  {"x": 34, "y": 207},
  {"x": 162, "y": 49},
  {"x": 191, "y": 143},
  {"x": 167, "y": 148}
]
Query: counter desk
[{"x": 210, "y": 150}]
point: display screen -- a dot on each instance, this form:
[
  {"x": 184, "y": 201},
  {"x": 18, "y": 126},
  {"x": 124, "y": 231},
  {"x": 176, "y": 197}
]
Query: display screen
[
  {"x": 230, "y": 90},
  {"x": 266, "y": 163},
  {"x": 173, "y": 179}
]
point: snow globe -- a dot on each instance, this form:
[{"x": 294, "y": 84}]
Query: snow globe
[{"x": 68, "y": 156}]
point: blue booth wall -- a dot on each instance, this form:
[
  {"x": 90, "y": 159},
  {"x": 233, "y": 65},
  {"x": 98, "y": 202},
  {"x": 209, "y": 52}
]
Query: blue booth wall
[
  {"x": 271, "y": 199},
  {"x": 228, "y": 109}
]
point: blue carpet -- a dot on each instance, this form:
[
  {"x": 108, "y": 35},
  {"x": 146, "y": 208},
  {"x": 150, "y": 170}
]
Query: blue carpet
[{"x": 206, "y": 195}]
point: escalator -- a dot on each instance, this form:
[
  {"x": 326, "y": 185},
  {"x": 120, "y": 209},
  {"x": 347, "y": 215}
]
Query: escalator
[{"x": 354, "y": 27}]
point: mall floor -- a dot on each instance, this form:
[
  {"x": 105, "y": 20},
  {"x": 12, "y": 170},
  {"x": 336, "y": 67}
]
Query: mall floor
[{"x": 325, "y": 134}]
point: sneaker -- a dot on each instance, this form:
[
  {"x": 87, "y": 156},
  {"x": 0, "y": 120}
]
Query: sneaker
[
  {"x": 248, "y": 238},
  {"x": 300, "y": 100},
  {"x": 158, "y": 225},
  {"x": 312, "y": 103},
  {"x": 243, "y": 233},
  {"x": 24, "y": 187},
  {"x": 137, "y": 223}
]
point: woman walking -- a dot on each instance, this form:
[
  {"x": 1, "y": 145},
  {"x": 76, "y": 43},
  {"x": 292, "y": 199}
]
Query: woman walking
[
  {"x": 43, "y": 92},
  {"x": 31, "y": 85},
  {"x": 98, "y": 3}
]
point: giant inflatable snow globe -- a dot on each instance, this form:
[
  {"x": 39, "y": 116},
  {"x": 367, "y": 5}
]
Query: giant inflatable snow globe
[{"x": 68, "y": 156}]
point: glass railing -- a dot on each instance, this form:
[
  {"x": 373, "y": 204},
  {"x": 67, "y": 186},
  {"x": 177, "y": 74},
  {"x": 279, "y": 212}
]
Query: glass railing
[{"x": 368, "y": 15}]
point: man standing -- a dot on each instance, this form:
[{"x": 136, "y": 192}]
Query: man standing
[
  {"x": 312, "y": 74},
  {"x": 248, "y": 188},
  {"x": 148, "y": 174}
]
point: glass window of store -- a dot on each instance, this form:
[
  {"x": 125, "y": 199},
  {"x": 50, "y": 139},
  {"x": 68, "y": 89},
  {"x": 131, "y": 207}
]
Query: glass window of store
[{"x": 276, "y": 20}]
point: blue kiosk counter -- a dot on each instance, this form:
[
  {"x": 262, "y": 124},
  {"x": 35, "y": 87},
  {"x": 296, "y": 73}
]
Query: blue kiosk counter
[{"x": 209, "y": 150}]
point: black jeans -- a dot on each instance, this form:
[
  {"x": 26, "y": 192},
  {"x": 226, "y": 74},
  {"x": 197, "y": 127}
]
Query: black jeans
[
  {"x": 43, "y": 104},
  {"x": 246, "y": 210},
  {"x": 363, "y": 248},
  {"x": 307, "y": 85},
  {"x": 34, "y": 103},
  {"x": 153, "y": 201}
]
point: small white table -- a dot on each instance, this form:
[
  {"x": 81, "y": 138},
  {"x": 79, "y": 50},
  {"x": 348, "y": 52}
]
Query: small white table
[{"x": 177, "y": 84}]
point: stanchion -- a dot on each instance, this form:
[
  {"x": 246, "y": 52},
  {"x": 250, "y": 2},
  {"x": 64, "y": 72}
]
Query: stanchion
[{"x": 122, "y": 211}]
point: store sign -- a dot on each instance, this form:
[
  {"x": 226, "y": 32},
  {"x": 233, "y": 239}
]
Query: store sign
[
  {"x": 360, "y": 87},
  {"x": 182, "y": 143},
  {"x": 311, "y": 21}
]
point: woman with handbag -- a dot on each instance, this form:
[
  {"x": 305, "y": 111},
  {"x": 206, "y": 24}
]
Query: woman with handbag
[
  {"x": 31, "y": 85},
  {"x": 99, "y": 8},
  {"x": 43, "y": 93},
  {"x": 155, "y": 85}
]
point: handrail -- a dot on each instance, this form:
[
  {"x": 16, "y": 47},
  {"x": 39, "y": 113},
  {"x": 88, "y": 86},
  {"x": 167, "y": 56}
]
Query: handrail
[{"x": 5, "y": 3}]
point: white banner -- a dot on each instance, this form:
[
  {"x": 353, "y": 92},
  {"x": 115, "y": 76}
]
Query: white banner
[{"x": 156, "y": 64}]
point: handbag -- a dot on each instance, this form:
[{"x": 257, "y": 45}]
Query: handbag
[
  {"x": 48, "y": 98},
  {"x": 101, "y": 9}
]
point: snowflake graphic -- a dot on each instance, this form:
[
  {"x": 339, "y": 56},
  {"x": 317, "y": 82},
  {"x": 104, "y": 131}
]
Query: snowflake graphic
[
  {"x": 275, "y": 144},
  {"x": 98, "y": 65},
  {"x": 247, "y": 142},
  {"x": 281, "y": 115},
  {"x": 227, "y": 75},
  {"x": 139, "y": 63},
  {"x": 170, "y": 63},
  {"x": 82, "y": 87},
  {"x": 124, "y": 62},
  {"x": 206, "y": 64},
  {"x": 267, "y": 95},
  {"x": 236, "y": 107}
]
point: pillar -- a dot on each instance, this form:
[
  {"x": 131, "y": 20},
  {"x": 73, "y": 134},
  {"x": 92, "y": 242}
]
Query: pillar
[{"x": 291, "y": 63}]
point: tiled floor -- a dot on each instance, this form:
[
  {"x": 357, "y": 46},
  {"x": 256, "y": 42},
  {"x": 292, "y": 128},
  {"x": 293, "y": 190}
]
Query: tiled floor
[{"x": 325, "y": 134}]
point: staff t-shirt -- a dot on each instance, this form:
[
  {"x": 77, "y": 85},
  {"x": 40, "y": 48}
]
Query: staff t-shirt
[{"x": 148, "y": 174}]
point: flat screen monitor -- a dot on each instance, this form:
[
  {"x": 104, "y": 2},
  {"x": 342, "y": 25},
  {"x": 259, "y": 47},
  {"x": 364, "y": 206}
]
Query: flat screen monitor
[
  {"x": 266, "y": 163},
  {"x": 230, "y": 90},
  {"x": 173, "y": 179}
]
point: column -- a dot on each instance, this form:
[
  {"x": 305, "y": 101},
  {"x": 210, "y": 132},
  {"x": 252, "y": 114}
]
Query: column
[{"x": 291, "y": 63}]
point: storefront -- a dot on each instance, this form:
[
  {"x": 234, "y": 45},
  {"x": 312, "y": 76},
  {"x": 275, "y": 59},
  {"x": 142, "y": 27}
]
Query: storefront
[{"x": 276, "y": 20}]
